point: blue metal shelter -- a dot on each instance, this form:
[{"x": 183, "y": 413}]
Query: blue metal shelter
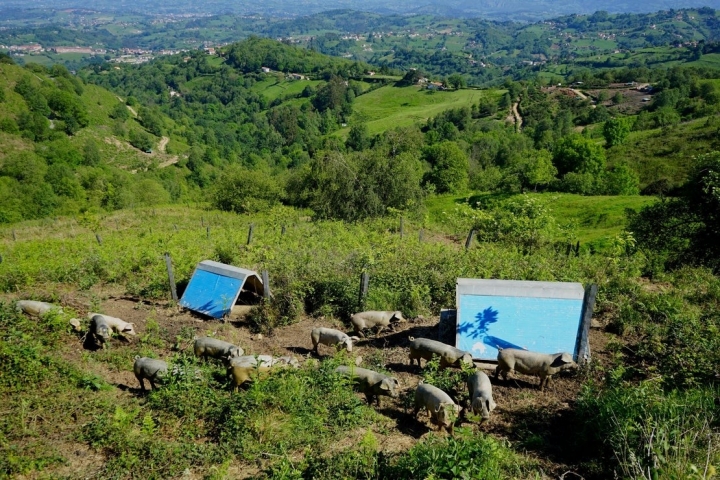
[
  {"x": 546, "y": 317},
  {"x": 214, "y": 288}
]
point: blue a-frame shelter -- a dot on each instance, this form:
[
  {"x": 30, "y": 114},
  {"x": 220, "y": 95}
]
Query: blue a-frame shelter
[{"x": 215, "y": 287}]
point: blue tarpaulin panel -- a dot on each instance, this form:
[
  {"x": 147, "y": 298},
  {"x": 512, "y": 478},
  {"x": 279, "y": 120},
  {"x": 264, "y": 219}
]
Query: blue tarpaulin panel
[
  {"x": 538, "y": 316},
  {"x": 214, "y": 288}
]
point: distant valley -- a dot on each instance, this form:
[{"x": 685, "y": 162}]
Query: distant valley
[{"x": 513, "y": 10}]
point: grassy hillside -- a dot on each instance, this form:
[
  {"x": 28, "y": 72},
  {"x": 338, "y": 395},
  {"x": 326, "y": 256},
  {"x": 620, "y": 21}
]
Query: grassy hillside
[
  {"x": 308, "y": 423},
  {"x": 99, "y": 102},
  {"x": 76, "y": 152},
  {"x": 273, "y": 87},
  {"x": 390, "y": 106},
  {"x": 594, "y": 220},
  {"x": 667, "y": 153}
]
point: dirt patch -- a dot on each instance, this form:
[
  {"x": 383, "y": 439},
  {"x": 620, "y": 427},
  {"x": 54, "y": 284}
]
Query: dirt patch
[{"x": 539, "y": 423}]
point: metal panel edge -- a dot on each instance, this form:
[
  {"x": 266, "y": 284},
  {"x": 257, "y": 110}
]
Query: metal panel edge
[
  {"x": 582, "y": 346},
  {"x": 225, "y": 270},
  {"x": 518, "y": 288}
]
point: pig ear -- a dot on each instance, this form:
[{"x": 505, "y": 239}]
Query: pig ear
[
  {"x": 384, "y": 386},
  {"x": 354, "y": 338},
  {"x": 563, "y": 359}
]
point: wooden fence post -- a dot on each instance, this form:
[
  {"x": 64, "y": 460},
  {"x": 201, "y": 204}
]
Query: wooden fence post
[
  {"x": 207, "y": 229},
  {"x": 282, "y": 231},
  {"x": 470, "y": 238},
  {"x": 250, "y": 233},
  {"x": 97, "y": 237},
  {"x": 364, "y": 282},
  {"x": 171, "y": 277},
  {"x": 266, "y": 284},
  {"x": 421, "y": 233},
  {"x": 402, "y": 227},
  {"x": 14, "y": 237}
]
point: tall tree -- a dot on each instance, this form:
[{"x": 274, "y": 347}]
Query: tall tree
[
  {"x": 616, "y": 131},
  {"x": 448, "y": 167}
]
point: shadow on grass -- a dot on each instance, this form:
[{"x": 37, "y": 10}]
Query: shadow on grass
[
  {"x": 402, "y": 338},
  {"x": 554, "y": 435},
  {"x": 485, "y": 200}
]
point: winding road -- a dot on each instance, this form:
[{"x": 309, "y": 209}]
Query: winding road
[{"x": 516, "y": 115}]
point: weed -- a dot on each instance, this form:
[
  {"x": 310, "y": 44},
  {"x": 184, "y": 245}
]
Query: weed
[
  {"x": 450, "y": 380},
  {"x": 652, "y": 434}
]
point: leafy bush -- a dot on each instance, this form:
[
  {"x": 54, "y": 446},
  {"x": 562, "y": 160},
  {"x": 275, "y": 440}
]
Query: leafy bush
[
  {"x": 141, "y": 140},
  {"x": 524, "y": 221},
  {"x": 290, "y": 408},
  {"x": 448, "y": 167},
  {"x": 246, "y": 191},
  {"x": 466, "y": 455},
  {"x": 453, "y": 381},
  {"x": 358, "y": 185}
]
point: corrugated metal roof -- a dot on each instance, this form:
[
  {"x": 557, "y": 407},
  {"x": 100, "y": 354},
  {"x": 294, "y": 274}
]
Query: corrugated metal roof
[{"x": 214, "y": 288}]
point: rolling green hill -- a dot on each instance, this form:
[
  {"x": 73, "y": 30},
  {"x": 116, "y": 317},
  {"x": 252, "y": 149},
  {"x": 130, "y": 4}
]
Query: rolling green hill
[
  {"x": 66, "y": 149},
  {"x": 391, "y": 106}
]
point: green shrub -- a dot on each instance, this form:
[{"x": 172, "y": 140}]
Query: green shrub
[
  {"x": 466, "y": 455},
  {"x": 453, "y": 381},
  {"x": 247, "y": 191},
  {"x": 288, "y": 409}
]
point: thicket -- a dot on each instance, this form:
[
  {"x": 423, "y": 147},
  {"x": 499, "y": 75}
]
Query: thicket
[{"x": 686, "y": 229}]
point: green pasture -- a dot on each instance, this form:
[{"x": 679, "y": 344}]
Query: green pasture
[
  {"x": 390, "y": 106},
  {"x": 666, "y": 152},
  {"x": 595, "y": 220},
  {"x": 271, "y": 88},
  {"x": 709, "y": 60}
]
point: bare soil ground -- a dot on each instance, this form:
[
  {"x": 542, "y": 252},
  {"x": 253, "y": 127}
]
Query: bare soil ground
[{"x": 539, "y": 423}]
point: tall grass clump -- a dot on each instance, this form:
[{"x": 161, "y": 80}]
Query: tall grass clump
[
  {"x": 307, "y": 407},
  {"x": 466, "y": 455},
  {"x": 648, "y": 433}
]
